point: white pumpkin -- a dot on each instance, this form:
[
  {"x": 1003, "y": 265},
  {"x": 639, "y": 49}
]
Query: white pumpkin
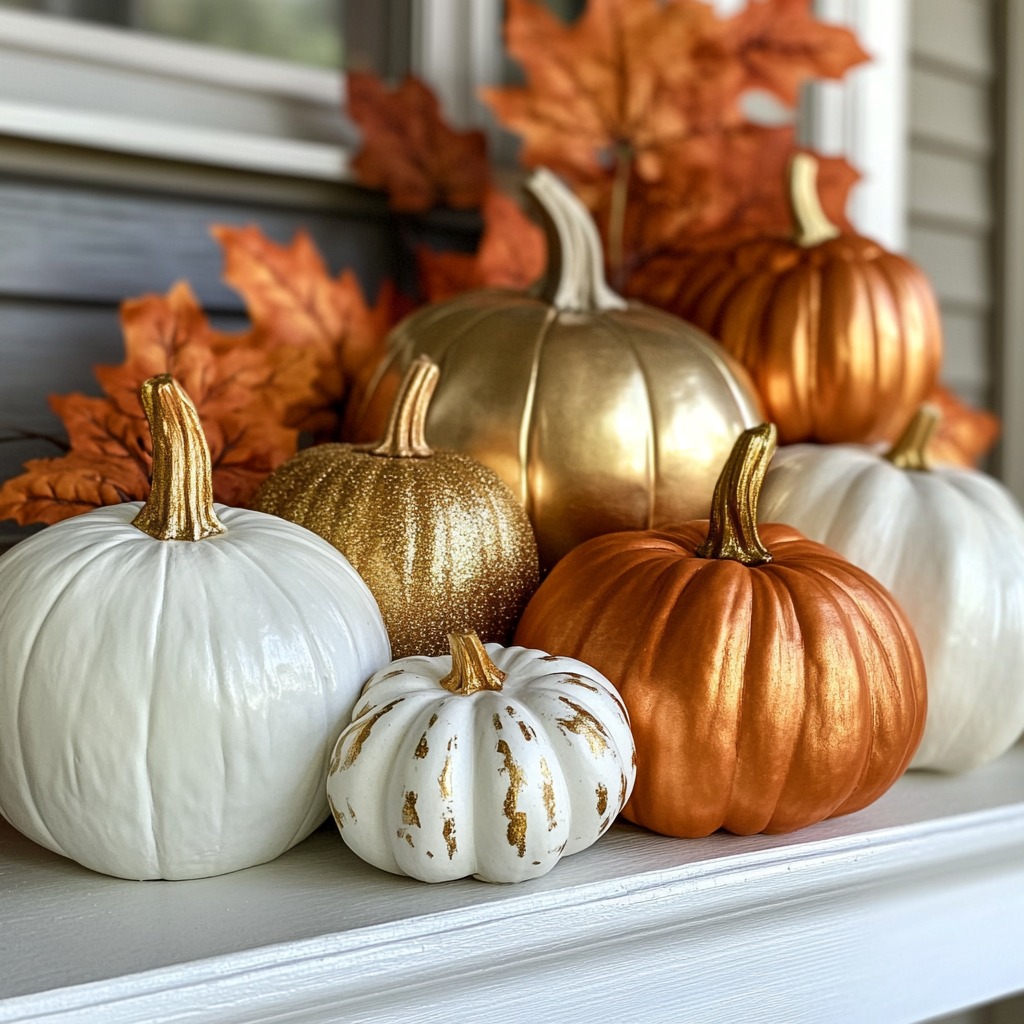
[
  {"x": 168, "y": 706},
  {"x": 494, "y": 762},
  {"x": 949, "y": 544}
]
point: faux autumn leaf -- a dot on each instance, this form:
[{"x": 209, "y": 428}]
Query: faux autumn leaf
[
  {"x": 109, "y": 457},
  {"x": 511, "y": 254},
  {"x": 779, "y": 45},
  {"x": 965, "y": 435},
  {"x": 629, "y": 77},
  {"x": 409, "y": 151},
  {"x": 298, "y": 309}
]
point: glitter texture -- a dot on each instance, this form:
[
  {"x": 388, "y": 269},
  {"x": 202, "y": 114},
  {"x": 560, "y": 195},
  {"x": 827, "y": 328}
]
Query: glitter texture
[{"x": 441, "y": 542}]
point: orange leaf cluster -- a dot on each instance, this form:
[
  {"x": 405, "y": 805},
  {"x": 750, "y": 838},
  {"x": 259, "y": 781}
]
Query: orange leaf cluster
[
  {"x": 639, "y": 104},
  {"x": 408, "y": 149},
  {"x": 510, "y": 255},
  {"x": 312, "y": 339},
  {"x": 965, "y": 434}
]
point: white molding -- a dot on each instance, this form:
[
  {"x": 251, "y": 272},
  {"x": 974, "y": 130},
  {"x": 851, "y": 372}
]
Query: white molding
[
  {"x": 879, "y": 916},
  {"x": 216, "y": 147},
  {"x": 864, "y": 117},
  {"x": 104, "y": 89},
  {"x": 1008, "y": 382}
]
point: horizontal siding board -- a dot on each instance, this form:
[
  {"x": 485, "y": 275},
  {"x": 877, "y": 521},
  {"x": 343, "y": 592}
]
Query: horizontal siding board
[
  {"x": 949, "y": 112},
  {"x": 947, "y": 188},
  {"x": 954, "y": 33},
  {"x": 958, "y": 265},
  {"x": 967, "y": 357},
  {"x": 88, "y": 244}
]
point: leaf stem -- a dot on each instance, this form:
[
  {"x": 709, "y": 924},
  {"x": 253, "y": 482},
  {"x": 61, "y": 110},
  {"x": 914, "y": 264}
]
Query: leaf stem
[{"x": 617, "y": 214}]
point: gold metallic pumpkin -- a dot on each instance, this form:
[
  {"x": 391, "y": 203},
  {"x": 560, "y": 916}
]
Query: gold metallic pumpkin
[
  {"x": 441, "y": 542},
  {"x": 600, "y": 414}
]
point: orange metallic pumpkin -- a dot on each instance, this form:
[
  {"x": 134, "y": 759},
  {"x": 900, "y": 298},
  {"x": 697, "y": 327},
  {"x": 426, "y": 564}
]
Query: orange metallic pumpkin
[
  {"x": 842, "y": 338},
  {"x": 770, "y": 683}
]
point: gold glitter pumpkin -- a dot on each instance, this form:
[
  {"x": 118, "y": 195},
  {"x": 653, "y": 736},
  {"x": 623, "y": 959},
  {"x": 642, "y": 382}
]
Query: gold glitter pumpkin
[
  {"x": 600, "y": 414},
  {"x": 441, "y": 542}
]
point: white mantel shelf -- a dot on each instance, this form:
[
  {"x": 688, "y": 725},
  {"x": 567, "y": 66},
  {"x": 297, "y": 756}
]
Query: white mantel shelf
[{"x": 911, "y": 908}]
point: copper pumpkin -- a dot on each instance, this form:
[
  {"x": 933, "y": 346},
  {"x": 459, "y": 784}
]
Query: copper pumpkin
[
  {"x": 842, "y": 338},
  {"x": 770, "y": 683},
  {"x": 441, "y": 542},
  {"x": 600, "y": 414}
]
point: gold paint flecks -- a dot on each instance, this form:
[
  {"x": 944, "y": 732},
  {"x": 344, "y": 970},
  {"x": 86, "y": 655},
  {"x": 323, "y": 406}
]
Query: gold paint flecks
[
  {"x": 516, "y": 831},
  {"x": 421, "y": 748},
  {"x": 527, "y": 731},
  {"x": 180, "y": 502},
  {"x": 602, "y": 799},
  {"x": 577, "y": 680},
  {"x": 549, "y": 794},
  {"x": 403, "y": 833},
  {"x": 444, "y": 780},
  {"x": 355, "y": 748},
  {"x": 351, "y": 812},
  {"x": 410, "y": 816},
  {"x": 433, "y": 719},
  {"x": 449, "y": 837},
  {"x": 496, "y": 721},
  {"x": 339, "y": 818},
  {"x": 623, "y": 787},
  {"x": 585, "y": 725}
]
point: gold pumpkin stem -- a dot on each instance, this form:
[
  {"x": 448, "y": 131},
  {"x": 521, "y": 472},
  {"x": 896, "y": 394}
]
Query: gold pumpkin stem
[
  {"x": 911, "y": 449},
  {"x": 405, "y": 436},
  {"x": 574, "y": 281},
  {"x": 811, "y": 224},
  {"x": 180, "y": 503},
  {"x": 733, "y": 530},
  {"x": 472, "y": 668}
]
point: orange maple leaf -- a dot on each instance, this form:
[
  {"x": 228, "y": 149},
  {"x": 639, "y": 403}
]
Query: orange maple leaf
[
  {"x": 965, "y": 435},
  {"x": 297, "y": 308},
  {"x": 409, "y": 151},
  {"x": 626, "y": 79},
  {"x": 110, "y": 447},
  {"x": 511, "y": 254},
  {"x": 779, "y": 45}
]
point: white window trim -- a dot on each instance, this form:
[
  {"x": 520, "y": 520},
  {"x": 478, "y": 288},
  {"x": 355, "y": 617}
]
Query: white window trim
[{"x": 282, "y": 100}]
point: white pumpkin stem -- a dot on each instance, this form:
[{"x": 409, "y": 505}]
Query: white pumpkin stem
[
  {"x": 811, "y": 225},
  {"x": 732, "y": 532},
  {"x": 911, "y": 449},
  {"x": 472, "y": 668},
  {"x": 574, "y": 281},
  {"x": 405, "y": 436},
  {"x": 180, "y": 503}
]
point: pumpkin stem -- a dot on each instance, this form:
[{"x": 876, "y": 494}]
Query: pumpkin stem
[
  {"x": 732, "y": 532},
  {"x": 911, "y": 449},
  {"x": 811, "y": 224},
  {"x": 180, "y": 503},
  {"x": 405, "y": 436},
  {"x": 574, "y": 279},
  {"x": 472, "y": 668}
]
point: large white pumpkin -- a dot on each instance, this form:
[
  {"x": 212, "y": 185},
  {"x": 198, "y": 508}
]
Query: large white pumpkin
[
  {"x": 949, "y": 544},
  {"x": 168, "y": 706},
  {"x": 495, "y": 762}
]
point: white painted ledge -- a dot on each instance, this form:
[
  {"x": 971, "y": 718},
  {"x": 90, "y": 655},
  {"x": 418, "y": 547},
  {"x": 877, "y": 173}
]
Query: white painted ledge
[{"x": 909, "y": 909}]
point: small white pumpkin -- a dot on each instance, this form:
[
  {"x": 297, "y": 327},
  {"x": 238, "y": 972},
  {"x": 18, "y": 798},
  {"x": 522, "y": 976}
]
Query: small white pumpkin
[
  {"x": 949, "y": 544},
  {"x": 173, "y": 675},
  {"x": 494, "y": 762}
]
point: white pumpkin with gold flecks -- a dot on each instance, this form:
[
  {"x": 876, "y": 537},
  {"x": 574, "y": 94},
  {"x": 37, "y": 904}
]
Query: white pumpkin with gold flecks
[{"x": 494, "y": 762}]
